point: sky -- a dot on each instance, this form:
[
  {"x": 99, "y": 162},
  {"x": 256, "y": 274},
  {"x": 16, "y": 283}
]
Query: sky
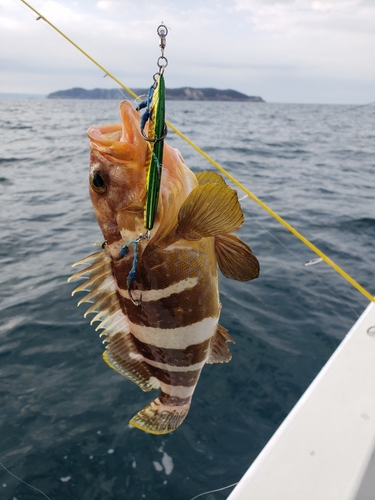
[{"x": 287, "y": 51}]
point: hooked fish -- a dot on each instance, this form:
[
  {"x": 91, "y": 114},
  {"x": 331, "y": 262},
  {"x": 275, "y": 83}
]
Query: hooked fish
[{"x": 156, "y": 297}]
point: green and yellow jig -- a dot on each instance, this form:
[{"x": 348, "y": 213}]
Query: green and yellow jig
[{"x": 157, "y": 131}]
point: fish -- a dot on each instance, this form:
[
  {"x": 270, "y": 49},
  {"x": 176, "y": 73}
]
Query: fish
[{"x": 155, "y": 295}]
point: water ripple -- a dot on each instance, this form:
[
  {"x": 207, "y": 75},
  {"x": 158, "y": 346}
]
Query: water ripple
[{"x": 62, "y": 408}]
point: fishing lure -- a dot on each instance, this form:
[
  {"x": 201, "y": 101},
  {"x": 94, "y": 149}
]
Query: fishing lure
[{"x": 157, "y": 131}]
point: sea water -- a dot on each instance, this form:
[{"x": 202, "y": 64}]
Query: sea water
[{"x": 64, "y": 413}]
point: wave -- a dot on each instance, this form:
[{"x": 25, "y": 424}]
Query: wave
[{"x": 357, "y": 225}]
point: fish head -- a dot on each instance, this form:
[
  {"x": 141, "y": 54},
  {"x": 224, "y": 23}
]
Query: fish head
[{"x": 118, "y": 179}]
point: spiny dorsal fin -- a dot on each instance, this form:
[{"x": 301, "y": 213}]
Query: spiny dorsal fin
[
  {"x": 209, "y": 178},
  {"x": 235, "y": 259},
  {"x": 209, "y": 210},
  {"x": 220, "y": 352},
  {"x": 102, "y": 288}
]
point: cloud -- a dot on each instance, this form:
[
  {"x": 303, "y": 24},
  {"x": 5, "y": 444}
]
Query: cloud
[
  {"x": 249, "y": 45},
  {"x": 292, "y": 17},
  {"x": 57, "y": 11},
  {"x": 104, "y": 5},
  {"x": 320, "y": 37}
]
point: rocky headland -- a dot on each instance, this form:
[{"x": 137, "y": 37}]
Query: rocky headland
[{"x": 180, "y": 94}]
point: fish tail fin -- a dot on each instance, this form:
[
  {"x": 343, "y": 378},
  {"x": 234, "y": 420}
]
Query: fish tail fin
[{"x": 160, "y": 418}]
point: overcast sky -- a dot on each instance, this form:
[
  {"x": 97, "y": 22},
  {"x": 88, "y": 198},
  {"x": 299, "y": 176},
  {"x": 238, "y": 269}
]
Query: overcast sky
[{"x": 283, "y": 50}]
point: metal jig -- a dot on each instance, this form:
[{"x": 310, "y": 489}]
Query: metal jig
[{"x": 154, "y": 115}]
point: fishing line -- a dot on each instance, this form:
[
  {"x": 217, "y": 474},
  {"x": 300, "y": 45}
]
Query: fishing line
[
  {"x": 107, "y": 73},
  {"x": 283, "y": 222},
  {"x": 278, "y": 218},
  {"x": 215, "y": 491},
  {"x": 24, "y": 482},
  {"x": 122, "y": 93}
]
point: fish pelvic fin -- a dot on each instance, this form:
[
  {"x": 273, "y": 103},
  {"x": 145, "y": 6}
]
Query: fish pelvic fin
[
  {"x": 235, "y": 259},
  {"x": 220, "y": 352},
  {"x": 121, "y": 355},
  {"x": 159, "y": 417},
  {"x": 209, "y": 210}
]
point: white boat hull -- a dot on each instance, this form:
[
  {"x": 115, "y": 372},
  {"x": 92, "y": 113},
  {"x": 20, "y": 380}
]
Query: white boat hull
[{"x": 324, "y": 448}]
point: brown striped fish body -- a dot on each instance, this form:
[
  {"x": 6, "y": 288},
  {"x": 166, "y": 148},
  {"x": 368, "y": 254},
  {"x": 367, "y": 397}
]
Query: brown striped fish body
[{"x": 157, "y": 299}]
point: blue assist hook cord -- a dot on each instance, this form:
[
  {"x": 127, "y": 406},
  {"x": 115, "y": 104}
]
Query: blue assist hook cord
[{"x": 296, "y": 233}]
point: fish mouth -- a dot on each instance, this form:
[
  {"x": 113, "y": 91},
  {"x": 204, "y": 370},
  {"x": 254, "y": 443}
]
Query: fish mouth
[
  {"x": 105, "y": 133},
  {"x": 122, "y": 141}
]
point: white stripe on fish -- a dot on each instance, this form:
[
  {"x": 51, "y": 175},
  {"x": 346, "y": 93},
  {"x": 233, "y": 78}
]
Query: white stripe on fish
[
  {"x": 168, "y": 367},
  {"x": 176, "y": 338},
  {"x": 162, "y": 293}
]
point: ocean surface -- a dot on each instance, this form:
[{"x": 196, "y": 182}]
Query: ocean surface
[{"x": 63, "y": 412}]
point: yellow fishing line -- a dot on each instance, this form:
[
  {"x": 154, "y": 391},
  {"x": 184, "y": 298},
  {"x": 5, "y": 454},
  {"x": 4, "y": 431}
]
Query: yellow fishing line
[
  {"x": 81, "y": 50},
  {"x": 223, "y": 171},
  {"x": 277, "y": 217}
]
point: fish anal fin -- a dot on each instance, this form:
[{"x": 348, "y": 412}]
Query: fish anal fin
[
  {"x": 235, "y": 258},
  {"x": 209, "y": 178},
  {"x": 122, "y": 356},
  {"x": 220, "y": 352},
  {"x": 209, "y": 210},
  {"x": 158, "y": 418}
]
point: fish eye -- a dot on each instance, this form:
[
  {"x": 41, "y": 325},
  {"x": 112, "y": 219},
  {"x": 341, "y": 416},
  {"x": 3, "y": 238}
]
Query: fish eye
[{"x": 97, "y": 183}]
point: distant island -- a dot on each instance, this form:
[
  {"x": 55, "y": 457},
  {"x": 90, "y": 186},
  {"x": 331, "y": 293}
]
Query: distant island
[{"x": 181, "y": 94}]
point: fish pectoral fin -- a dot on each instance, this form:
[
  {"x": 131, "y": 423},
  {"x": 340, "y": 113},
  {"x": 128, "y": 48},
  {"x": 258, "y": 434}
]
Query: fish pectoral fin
[
  {"x": 209, "y": 210},
  {"x": 159, "y": 418},
  {"x": 121, "y": 355},
  {"x": 235, "y": 259},
  {"x": 220, "y": 352},
  {"x": 209, "y": 178}
]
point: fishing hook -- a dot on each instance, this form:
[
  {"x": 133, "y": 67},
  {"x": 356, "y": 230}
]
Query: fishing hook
[
  {"x": 146, "y": 115},
  {"x": 157, "y": 139},
  {"x": 135, "y": 302}
]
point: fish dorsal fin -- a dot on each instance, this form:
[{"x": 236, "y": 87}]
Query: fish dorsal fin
[
  {"x": 209, "y": 210},
  {"x": 121, "y": 353},
  {"x": 220, "y": 352},
  {"x": 102, "y": 289},
  {"x": 235, "y": 259},
  {"x": 209, "y": 178}
]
